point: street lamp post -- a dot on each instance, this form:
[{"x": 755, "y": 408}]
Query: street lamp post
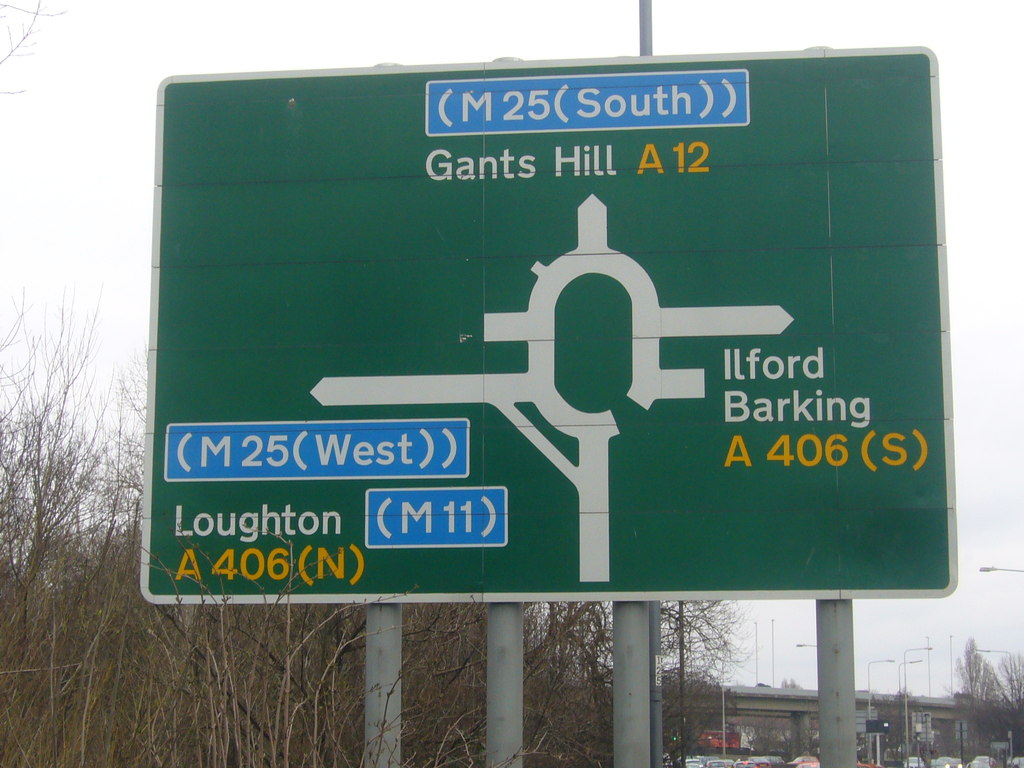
[
  {"x": 951, "y": 691},
  {"x": 906, "y": 705},
  {"x": 723, "y": 717},
  {"x": 990, "y": 650},
  {"x": 928, "y": 642},
  {"x": 757, "y": 673},
  {"x": 723, "y": 707},
  {"x": 806, "y": 645},
  {"x": 878, "y": 750},
  {"x": 906, "y": 699}
]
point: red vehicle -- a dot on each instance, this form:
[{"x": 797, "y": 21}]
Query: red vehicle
[{"x": 713, "y": 740}]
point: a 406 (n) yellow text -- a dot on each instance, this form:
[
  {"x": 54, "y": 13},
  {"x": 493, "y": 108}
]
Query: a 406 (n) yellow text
[{"x": 252, "y": 564}]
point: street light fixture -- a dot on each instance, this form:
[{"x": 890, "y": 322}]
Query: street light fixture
[
  {"x": 990, "y": 568},
  {"x": 912, "y": 650},
  {"x": 876, "y": 661},
  {"x": 902, "y": 673}
]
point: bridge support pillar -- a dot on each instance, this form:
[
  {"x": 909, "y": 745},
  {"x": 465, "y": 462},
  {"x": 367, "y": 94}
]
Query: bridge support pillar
[{"x": 800, "y": 732}]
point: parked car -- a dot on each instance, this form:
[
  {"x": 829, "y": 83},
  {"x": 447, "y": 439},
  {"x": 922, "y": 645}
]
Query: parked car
[
  {"x": 948, "y": 762},
  {"x": 983, "y": 761},
  {"x": 915, "y": 762}
]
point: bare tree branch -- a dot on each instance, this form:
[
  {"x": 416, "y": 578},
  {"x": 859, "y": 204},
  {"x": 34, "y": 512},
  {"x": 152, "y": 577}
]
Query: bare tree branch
[{"x": 21, "y": 24}]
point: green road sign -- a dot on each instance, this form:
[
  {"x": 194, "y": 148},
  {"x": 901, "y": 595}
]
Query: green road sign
[{"x": 583, "y": 330}]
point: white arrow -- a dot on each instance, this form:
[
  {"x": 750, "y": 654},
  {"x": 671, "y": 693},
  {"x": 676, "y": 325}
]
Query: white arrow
[{"x": 536, "y": 326}]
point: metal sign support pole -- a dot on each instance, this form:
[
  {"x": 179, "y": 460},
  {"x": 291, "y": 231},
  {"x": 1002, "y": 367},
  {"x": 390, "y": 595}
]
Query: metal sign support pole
[
  {"x": 654, "y": 606},
  {"x": 631, "y": 706},
  {"x": 657, "y": 724},
  {"x": 681, "y": 638},
  {"x": 836, "y": 701},
  {"x": 382, "y": 715},
  {"x": 646, "y": 28},
  {"x": 505, "y": 685}
]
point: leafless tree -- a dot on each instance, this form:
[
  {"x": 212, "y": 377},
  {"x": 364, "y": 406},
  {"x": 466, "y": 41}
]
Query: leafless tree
[
  {"x": 1008, "y": 713},
  {"x": 90, "y": 674},
  {"x": 20, "y": 25},
  {"x": 1011, "y": 671},
  {"x": 978, "y": 679},
  {"x": 700, "y": 635},
  {"x": 993, "y": 700}
]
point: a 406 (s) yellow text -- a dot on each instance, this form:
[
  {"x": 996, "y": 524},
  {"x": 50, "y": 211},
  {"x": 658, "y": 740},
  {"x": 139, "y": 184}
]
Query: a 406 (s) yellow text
[{"x": 892, "y": 449}]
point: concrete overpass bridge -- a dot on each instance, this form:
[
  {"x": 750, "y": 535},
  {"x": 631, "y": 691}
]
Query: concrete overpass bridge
[{"x": 746, "y": 705}]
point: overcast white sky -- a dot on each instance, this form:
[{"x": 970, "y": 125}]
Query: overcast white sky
[{"x": 76, "y": 197}]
